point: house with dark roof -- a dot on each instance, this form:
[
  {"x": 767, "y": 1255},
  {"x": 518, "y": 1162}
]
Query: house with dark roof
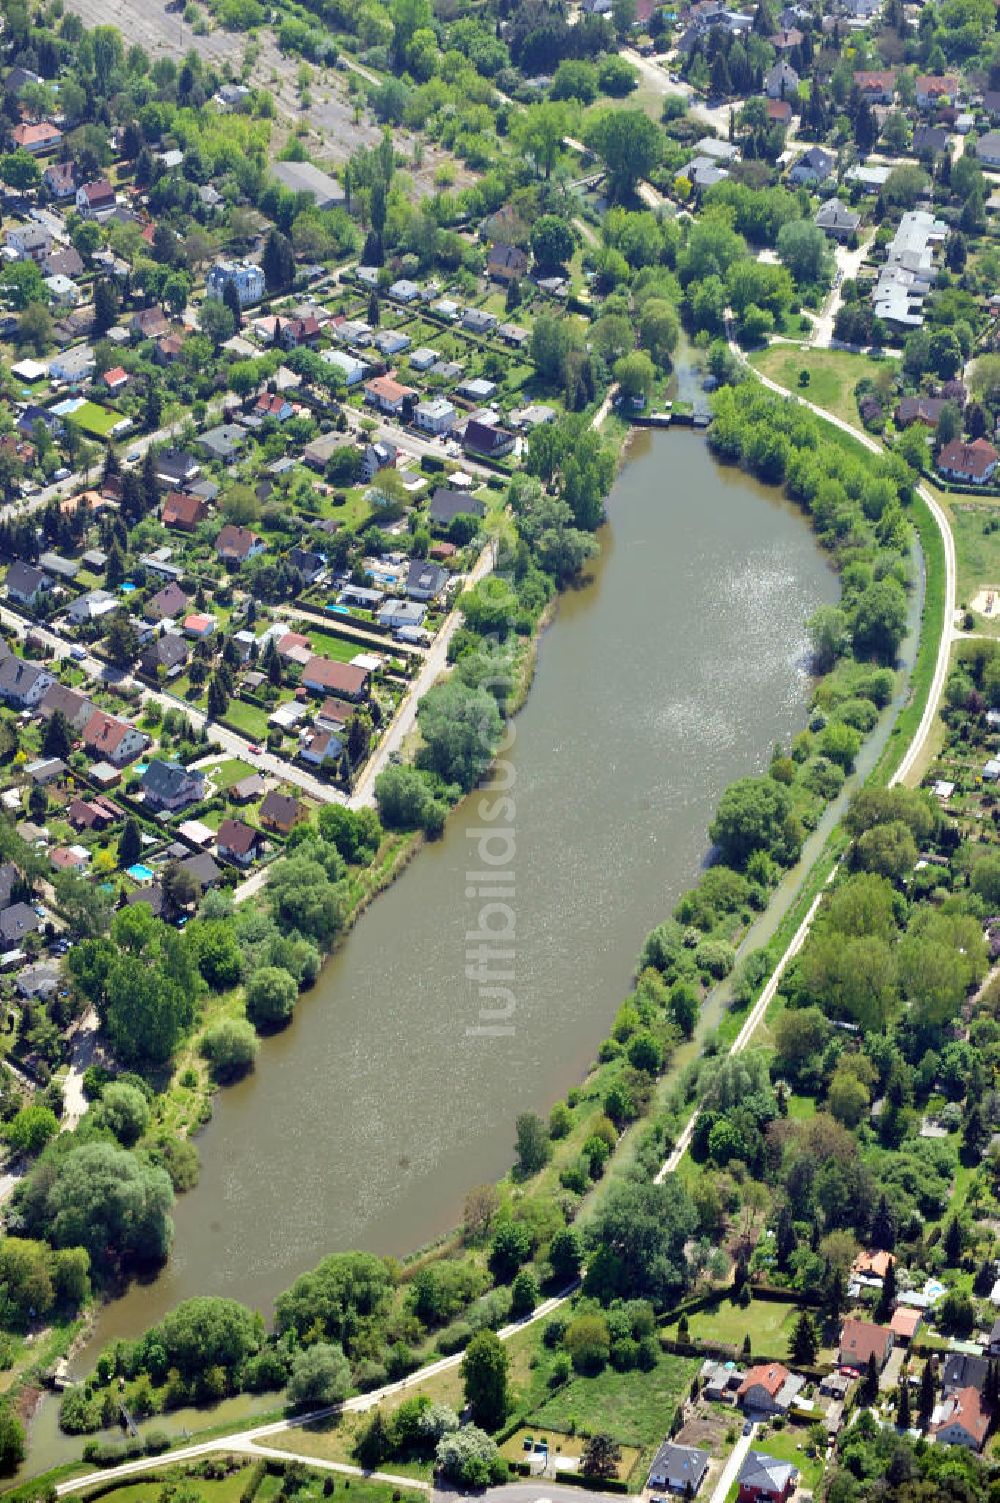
[
  {"x": 964, "y": 1370},
  {"x": 837, "y": 219},
  {"x": 486, "y": 440},
  {"x": 924, "y": 410},
  {"x": 26, "y": 583},
  {"x": 22, "y": 684},
  {"x": 425, "y": 581},
  {"x": 16, "y": 922},
  {"x": 281, "y": 813},
  {"x": 168, "y": 652},
  {"x": 238, "y": 843},
  {"x": 94, "y": 199},
  {"x": 168, "y": 602},
  {"x": 506, "y": 263},
  {"x": 169, "y": 786},
  {"x": 76, "y": 707},
  {"x": 764, "y": 1479},
  {"x": 813, "y": 167},
  {"x": 679, "y": 1469},
  {"x": 175, "y": 468},
  {"x": 447, "y": 504},
  {"x": 312, "y": 566}
]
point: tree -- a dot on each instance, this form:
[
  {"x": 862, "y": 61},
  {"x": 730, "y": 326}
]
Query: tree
[
  {"x": 129, "y": 841},
  {"x": 659, "y": 330},
  {"x": 484, "y": 1375},
  {"x": 523, "y": 1294},
  {"x": 461, "y": 728},
  {"x": 903, "y": 1418},
  {"x": 13, "y": 1448},
  {"x": 105, "y": 305},
  {"x": 470, "y": 1457},
  {"x": 230, "y": 1046},
  {"x": 635, "y": 376},
  {"x": 753, "y": 815},
  {"x": 805, "y": 250},
  {"x": 278, "y": 262},
  {"x": 636, "y": 1238},
  {"x": 630, "y": 145},
  {"x": 565, "y": 1255},
  {"x": 216, "y": 321},
  {"x": 533, "y": 1147},
  {"x": 804, "y": 1340},
  {"x": 102, "y": 1198},
  {"x": 868, "y": 1392},
  {"x": 32, "y": 1128},
  {"x": 601, "y": 1456},
  {"x": 57, "y": 740},
  {"x": 588, "y": 1342},
  {"x": 829, "y": 636},
  {"x": 539, "y": 133},
  {"x": 551, "y": 241},
  {"x": 271, "y": 996},
  {"x": 510, "y": 1248},
  {"x": 880, "y": 621},
  {"x": 928, "y": 1389},
  {"x": 125, "y": 1111},
  {"x": 35, "y": 328},
  {"x": 321, "y": 1374}
]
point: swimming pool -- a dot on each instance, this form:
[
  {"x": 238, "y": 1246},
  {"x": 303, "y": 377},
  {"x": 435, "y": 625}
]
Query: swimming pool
[
  {"x": 140, "y": 872},
  {"x": 126, "y": 587}
]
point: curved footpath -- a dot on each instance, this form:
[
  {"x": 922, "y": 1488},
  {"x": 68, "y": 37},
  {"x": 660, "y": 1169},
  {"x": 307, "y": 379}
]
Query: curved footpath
[{"x": 248, "y": 1442}]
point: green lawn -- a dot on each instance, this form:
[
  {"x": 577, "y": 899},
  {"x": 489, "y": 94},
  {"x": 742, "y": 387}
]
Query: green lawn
[
  {"x": 247, "y": 718},
  {"x": 230, "y": 1489},
  {"x": 833, "y": 375},
  {"x": 337, "y": 648},
  {"x": 977, "y": 549},
  {"x": 634, "y": 1407},
  {"x": 232, "y": 770},
  {"x": 792, "y": 1444},
  {"x": 95, "y": 419},
  {"x": 768, "y": 1323}
]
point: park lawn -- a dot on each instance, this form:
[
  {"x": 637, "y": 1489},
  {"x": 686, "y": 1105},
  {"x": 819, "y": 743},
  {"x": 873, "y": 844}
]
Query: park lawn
[
  {"x": 635, "y": 1408},
  {"x": 95, "y": 419},
  {"x": 833, "y": 375},
  {"x": 792, "y": 1444},
  {"x": 230, "y": 1489},
  {"x": 334, "y": 1440},
  {"x": 768, "y": 1323}
]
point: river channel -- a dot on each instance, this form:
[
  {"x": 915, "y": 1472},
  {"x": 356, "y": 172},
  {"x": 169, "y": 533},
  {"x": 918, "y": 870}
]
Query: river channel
[{"x": 672, "y": 671}]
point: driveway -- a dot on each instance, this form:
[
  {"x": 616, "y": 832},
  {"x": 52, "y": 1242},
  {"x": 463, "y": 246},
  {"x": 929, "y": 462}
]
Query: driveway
[
  {"x": 848, "y": 265},
  {"x": 731, "y": 1470}
]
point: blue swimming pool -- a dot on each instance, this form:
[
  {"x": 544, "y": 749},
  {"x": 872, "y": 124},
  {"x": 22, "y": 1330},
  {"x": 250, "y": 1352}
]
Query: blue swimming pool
[
  {"x": 127, "y": 587},
  {"x": 140, "y": 872}
]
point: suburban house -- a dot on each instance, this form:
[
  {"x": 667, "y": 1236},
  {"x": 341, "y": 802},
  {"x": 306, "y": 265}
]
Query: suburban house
[
  {"x": 113, "y": 740},
  {"x": 23, "y": 684},
  {"x": 924, "y": 410},
  {"x": 485, "y": 440},
  {"x": 270, "y": 404},
  {"x": 781, "y": 81},
  {"x": 168, "y": 652},
  {"x": 94, "y": 199},
  {"x": 876, "y": 87},
  {"x": 388, "y": 395},
  {"x": 909, "y": 271},
  {"x": 91, "y": 606},
  {"x": 872, "y": 1265},
  {"x": 837, "y": 219},
  {"x": 29, "y": 242},
  {"x": 933, "y": 89},
  {"x": 322, "y": 748},
  {"x": 306, "y": 177},
  {"x": 92, "y": 814},
  {"x": 238, "y": 842},
  {"x": 964, "y": 1370},
  {"x": 326, "y": 676},
  {"x": 235, "y": 544},
  {"x": 447, "y": 504},
  {"x": 815, "y": 166},
  {"x": 478, "y": 321},
  {"x": 199, "y": 625},
  {"x": 859, "y": 1340},
  {"x": 176, "y": 468},
  {"x": 36, "y": 138},
  {"x": 764, "y": 1479},
  {"x": 149, "y": 323},
  {"x": 425, "y": 581},
  {"x": 679, "y": 1469},
  {"x": 436, "y": 415},
  {"x": 769, "y": 1388},
  {"x": 76, "y": 707},
  {"x": 60, "y": 179},
  {"x": 973, "y": 463},
  {"x": 932, "y": 139},
  {"x": 505, "y": 263},
  {"x": 312, "y": 566},
  {"x": 398, "y": 615},
  {"x": 17, "y": 921},
  {"x": 281, "y": 813},
  {"x": 246, "y": 278},
  {"x": 905, "y": 1323},
  {"x": 167, "y": 602},
  {"x": 168, "y": 786},
  {"x": 375, "y": 457},
  {"x": 961, "y": 1420},
  {"x": 26, "y": 583},
  {"x": 183, "y": 511},
  {"x": 168, "y": 349},
  {"x": 351, "y": 368}
]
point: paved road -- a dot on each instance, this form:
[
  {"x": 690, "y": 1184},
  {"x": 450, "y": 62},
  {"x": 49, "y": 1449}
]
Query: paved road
[
  {"x": 848, "y": 265},
  {"x": 731, "y": 1470},
  {"x": 359, "y": 1404}
]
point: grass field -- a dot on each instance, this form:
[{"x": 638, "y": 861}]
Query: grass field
[
  {"x": 95, "y": 419},
  {"x": 833, "y": 375},
  {"x": 337, "y": 648},
  {"x": 635, "y": 1407},
  {"x": 230, "y": 1489},
  {"x": 768, "y": 1323},
  {"x": 232, "y": 770},
  {"x": 976, "y": 528},
  {"x": 247, "y": 718}
]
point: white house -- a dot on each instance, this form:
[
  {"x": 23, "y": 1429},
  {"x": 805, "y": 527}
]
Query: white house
[
  {"x": 436, "y": 415},
  {"x": 244, "y": 276}
]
